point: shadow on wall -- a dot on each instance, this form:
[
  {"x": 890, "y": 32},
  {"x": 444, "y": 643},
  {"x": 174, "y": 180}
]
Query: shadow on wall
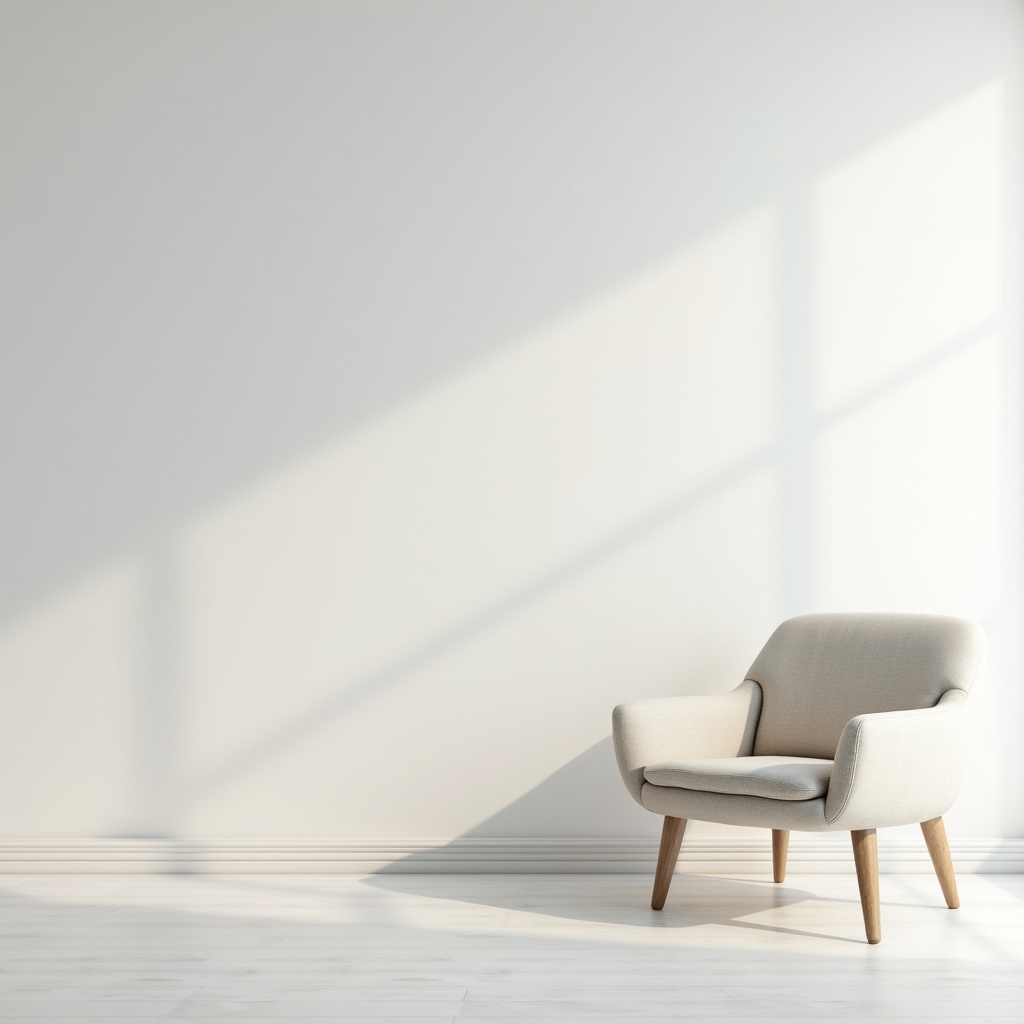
[
  {"x": 418, "y": 472},
  {"x": 567, "y": 803}
]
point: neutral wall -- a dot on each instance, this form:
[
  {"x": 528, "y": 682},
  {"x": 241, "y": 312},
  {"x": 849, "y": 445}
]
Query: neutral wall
[{"x": 389, "y": 389}]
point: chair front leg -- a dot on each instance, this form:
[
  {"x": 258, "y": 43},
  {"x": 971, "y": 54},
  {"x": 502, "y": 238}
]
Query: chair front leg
[
  {"x": 780, "y": 850},
  {"x": 668, "y": 854},
  {"x": 865, "y": 856},
  {"x": 938, "y": 849}
]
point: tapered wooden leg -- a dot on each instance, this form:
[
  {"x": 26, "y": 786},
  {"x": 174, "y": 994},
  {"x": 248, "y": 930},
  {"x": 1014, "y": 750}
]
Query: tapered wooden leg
[
  {"x": 865, "y": 856},
  {"x": 780, "y": 848},
  {"x": 938, "y": 849},
  {"x": 671, "y": 839}
]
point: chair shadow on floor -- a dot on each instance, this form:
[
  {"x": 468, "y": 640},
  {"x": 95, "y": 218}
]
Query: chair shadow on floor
[
  {"x": 696, "y": 900},
  {"x": 578, "y": 791},
  {"x": 262, "y": 947}
]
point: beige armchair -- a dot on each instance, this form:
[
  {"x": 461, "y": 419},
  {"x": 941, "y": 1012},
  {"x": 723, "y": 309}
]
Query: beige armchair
[{"x": 844, "y": 721}]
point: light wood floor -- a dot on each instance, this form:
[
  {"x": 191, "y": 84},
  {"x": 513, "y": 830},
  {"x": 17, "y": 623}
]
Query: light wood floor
[{"x": 504, "y": 948}]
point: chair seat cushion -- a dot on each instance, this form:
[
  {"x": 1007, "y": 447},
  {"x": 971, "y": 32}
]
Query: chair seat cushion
[{"x": 775, "y": 777}]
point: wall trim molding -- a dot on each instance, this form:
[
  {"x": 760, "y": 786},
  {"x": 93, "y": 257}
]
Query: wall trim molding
[{"x": 808, "y": 853}]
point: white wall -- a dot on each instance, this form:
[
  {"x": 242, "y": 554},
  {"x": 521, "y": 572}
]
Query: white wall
[{"x": 389, "y": 389}]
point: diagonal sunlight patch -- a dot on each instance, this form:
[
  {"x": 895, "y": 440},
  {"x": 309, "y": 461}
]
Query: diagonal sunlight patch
[
  {"x": 71, "y": 663},
  {"x": 907, "y": 246},
  {"x": 907, "y": 353},
  {"x": 908, "y": 360},
  {"x": 509, "y": 474},
  {"x": 909, "y": 493}
]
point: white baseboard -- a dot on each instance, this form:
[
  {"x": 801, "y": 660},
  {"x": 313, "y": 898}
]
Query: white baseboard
[{"x": 808, "y": 853}]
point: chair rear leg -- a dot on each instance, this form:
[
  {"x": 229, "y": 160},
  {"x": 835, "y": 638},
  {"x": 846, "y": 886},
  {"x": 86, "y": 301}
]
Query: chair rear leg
[
  {"x": 668, "y": 854},
  {"x": 865, "y": 856},
  {"x": 780, "y": 850},
  {"x": 938, "y": 849}
]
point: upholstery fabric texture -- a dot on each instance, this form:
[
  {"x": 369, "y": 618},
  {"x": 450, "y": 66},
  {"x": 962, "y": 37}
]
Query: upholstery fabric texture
[
  {"x": 901, "y": 767},
  {"x": 819, "y": 671},
  {"x": 846, "y": 721},
  {"x": 774, "y": 777},
  {"x": 732, "y": 809},
  {"x": 676, "y": 728}
]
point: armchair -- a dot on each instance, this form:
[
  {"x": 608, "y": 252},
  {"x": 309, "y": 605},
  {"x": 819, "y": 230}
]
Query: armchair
[{"x": 846, "y": 722}]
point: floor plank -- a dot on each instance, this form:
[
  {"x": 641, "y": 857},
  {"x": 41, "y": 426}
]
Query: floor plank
[{"x": 495, "y": 948}]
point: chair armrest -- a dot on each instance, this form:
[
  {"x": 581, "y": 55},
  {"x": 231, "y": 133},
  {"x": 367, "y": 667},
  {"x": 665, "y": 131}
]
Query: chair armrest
[
  {"x": 679, "y": 728},
  {"x": 900, "y": 767}
]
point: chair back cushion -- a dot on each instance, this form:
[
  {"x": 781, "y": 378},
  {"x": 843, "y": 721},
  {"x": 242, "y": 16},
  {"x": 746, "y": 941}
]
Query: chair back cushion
[{"x": 819, "y": 671}]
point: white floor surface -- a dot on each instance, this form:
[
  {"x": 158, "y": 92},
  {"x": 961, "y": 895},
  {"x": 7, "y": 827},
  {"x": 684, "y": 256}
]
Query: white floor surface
[{"x": 567, "y": 948}]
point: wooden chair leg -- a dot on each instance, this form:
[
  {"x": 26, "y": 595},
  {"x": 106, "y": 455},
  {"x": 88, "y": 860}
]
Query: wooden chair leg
[
  {"x": 780, "y": 849},
  {"x": 865, "y": 856},
  {"x": 668, "y": 854},
  {"x": 938, "y": 849}
]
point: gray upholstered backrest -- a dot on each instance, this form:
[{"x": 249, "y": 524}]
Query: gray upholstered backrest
[{"x": 819, "y": 671}]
